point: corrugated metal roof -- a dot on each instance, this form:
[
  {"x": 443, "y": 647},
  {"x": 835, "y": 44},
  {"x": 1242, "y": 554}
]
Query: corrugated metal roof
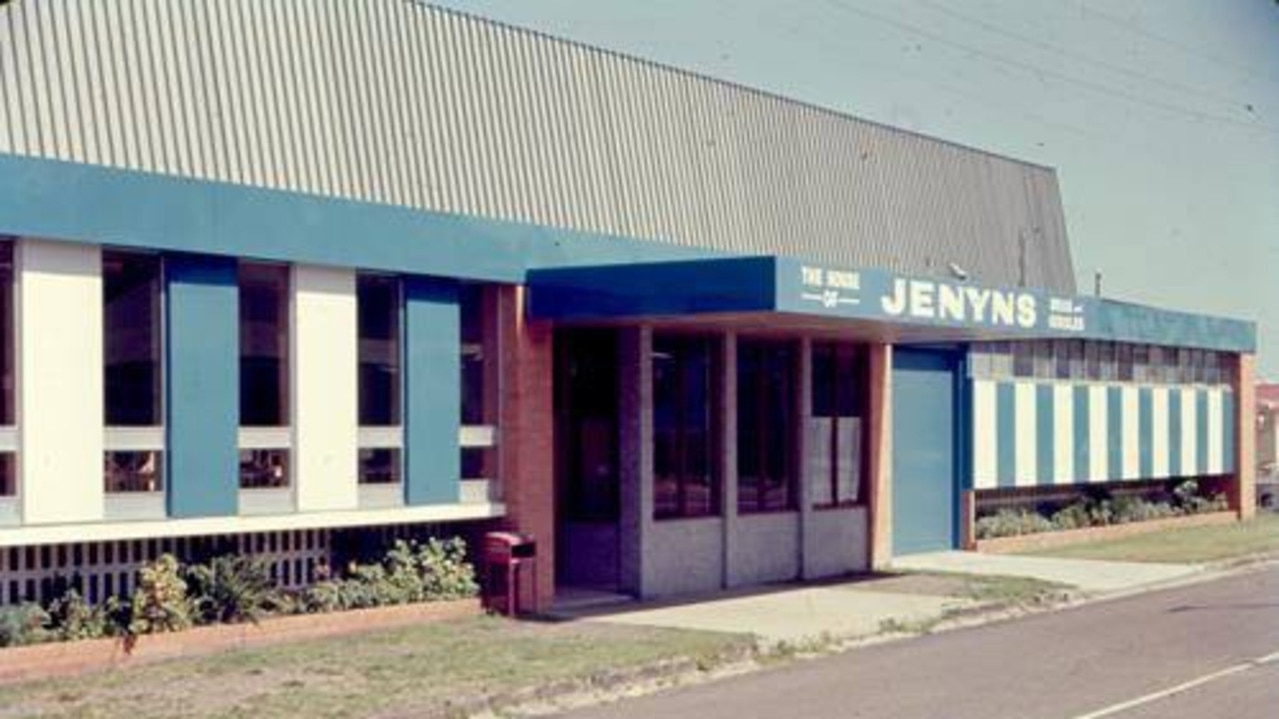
[{"x": 396, "y": 102}]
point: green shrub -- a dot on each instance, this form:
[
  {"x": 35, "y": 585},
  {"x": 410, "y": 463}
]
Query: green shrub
[
  {"x": 160, "y": 603},
  {"x": 230, "y": 589},
  {"x": 70, "y": 618},
  {"x": 1011, "y": 523},
  {"x": 23, "y": 624},
  {"x": 411, "y": 572},
  {"x": 1074, "y": 516}
]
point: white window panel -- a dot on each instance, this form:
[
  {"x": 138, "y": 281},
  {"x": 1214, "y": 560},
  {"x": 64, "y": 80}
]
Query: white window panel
[
  {"x": 477, "y": 436},
  {"x": 134, "y": 439},
  {"x": 266, "y": 437},
  {"x": 381, "y": 437}
]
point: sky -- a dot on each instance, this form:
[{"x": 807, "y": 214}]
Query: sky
[{"x": 1160, "y": 116}]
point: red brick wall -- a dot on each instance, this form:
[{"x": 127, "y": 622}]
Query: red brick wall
[{"x": 526, "y": 444}]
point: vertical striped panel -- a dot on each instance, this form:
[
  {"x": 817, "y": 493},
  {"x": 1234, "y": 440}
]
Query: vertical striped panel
[
  {"x": 1215, "y": 434},
  {"x": 1064, "y": 434},
  {"x": 1159, "y": 432},
  {"x": 986, "y": 438},
  {"x": 1025, "y": 445},
  {"x": 1099, "y": 429},
  {"x": 1228, "y": 441},
  {"x": 432, "y": 392},
  {"x": 1145, "y": 433},
  {"x": 325, "y": 368},
  {"x": 1175, "y": 433},
  {"x": 60, "y": 393},
  {"x": 1189, "y": 432},
  {"x": 1201, "y": 430},
  {"x": 403, "y": 103},
  {"x": 202, "y": 374},
  {"x": 1006, "y": 418},
  {"x": 1082, "y": 430},
  {"x": 1045, "y": 434},
  {"x": 1130, "y": 437},
  {"x": 1116, "y": 435}
]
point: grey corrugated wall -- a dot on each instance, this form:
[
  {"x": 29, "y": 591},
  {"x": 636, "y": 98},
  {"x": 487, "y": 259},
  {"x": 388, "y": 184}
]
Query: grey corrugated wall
[{"x": 397, "y": 102}]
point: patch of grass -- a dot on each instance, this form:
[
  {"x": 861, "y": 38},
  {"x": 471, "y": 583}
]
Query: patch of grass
[
  {"x": 418, "y": 670},
  {"x": 1009, "y": 591},
  {"x": 1222, "y": 542}
]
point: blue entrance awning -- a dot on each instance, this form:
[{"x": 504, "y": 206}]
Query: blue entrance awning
[{"x": 790, "y": 287}]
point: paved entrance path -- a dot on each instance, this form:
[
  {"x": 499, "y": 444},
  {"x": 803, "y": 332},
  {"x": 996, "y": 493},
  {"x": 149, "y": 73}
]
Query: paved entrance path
[
  {"x": 791, "y": 613},
  {"x": 1086, "y": 574}
]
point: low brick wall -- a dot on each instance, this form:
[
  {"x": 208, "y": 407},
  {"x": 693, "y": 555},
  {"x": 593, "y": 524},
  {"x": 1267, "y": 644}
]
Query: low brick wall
[
  {"x": 1045, "y": 540},
  {"x": 45, "y": 661}
]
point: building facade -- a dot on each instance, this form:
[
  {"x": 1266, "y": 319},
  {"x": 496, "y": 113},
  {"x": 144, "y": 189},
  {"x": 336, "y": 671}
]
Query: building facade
[{"x": 283, "y": 276}]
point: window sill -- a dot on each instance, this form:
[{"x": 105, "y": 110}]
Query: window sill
[
  {"x": 386, "y": 495},
  {"x": 838, "y": 506},
  {"x": 271, "y": 500},
  {"x": 126, "y": 506},
  {"x": 682, "y": 518},
  {"x": 10, "y": 515},
  {"x": 766, "y": 512}
]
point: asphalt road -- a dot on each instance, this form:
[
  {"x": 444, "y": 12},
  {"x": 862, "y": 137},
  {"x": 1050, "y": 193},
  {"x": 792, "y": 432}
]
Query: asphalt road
[{"x": 1202, "y": 651}]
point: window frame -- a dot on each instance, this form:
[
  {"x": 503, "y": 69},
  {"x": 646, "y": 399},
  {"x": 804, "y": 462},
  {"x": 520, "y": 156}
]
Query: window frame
[
  {"x": 859, "y": 358},
  {"x": 684, "y": 478},
  {"x": 764, "y": 451}
]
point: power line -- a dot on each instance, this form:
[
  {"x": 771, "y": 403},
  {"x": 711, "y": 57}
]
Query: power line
[
  {"x": 1044, "y": 72},
  {"x": 1067, "y": 53},
  {"x": 1133, "y": 27}
]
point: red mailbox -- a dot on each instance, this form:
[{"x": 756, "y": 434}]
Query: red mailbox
[{"x": 505, "y": 555}]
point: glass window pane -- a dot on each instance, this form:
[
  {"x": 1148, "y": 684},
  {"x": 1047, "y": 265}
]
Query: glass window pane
[
  {"x": 379, "y": 466},
  {"x": 131, "y": 338},
  {"x": 1124, "y": 362},
  {"x": 1023, "y": 359},
  {"x": 1061, "y": 358},
  {"x": 1106, "y": 358},
  {"x": 264, "y": 345},
  {"x": 765, "y": 449},
  {"x": 264, "y": 468},
  {"x": 683, "y": 471},
  {"x": 8, "y": 475},
  {"x": 823, "y": 381},
  {"x": 378, "y": 298},
  {"x": 7, "y": 376},
  {"x": 134, "y": 472}
]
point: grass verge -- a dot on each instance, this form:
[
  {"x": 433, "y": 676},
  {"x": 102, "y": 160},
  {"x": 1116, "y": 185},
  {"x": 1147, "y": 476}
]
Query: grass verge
[
  {"x": 429, "y": 670},
  {"x": 1192, "y": 545}
]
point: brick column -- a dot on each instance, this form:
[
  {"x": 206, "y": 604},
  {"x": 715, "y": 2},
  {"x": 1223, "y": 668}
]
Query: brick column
[
  {"x": 526, "y": 444},
  {"x": 881, "y": 455},
  {"x": 1243, "y": 490}
]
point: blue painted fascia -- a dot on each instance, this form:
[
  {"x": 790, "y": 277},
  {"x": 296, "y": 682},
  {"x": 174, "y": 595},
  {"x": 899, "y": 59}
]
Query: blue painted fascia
[{"x": 89, "y": 203}]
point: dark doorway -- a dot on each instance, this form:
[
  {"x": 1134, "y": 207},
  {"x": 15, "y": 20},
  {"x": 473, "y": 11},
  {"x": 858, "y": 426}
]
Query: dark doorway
[{"x": 586, "y": 458}]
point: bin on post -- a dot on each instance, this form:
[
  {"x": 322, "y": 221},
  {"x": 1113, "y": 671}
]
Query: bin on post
[{"x": 505, "y": 555}]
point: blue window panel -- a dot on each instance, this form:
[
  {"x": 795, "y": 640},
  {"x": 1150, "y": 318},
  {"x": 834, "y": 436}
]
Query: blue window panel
[
  {"x": 1083, "y": 450},
  {"x": 1115, "y": 432},
  {"x": 1046, "y": 434},
  {"x": 1146, "y": 431},
  {"x": 1174, "y": 432},
  {"x": 432, "y": 391},
  {"x": 1006, "y": 434},
  {"x": 1201, "y": 430},
  {"x": 203, "y": 384}
]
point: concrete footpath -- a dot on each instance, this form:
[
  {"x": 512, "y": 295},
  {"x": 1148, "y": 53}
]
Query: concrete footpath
[{"x": 865, "y": 606}]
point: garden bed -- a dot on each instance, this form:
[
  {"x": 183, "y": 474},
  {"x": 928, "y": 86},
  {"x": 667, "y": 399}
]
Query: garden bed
[
  {"x": 1045, "y": 540},
  {"x": 42, "y": 661}
]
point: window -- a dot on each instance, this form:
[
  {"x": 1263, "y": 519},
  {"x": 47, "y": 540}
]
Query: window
[
  {"x": 1023, "y": 359},
  {"x": 686, "y": 483},
  {"x": 379, "y": 302},
  {"x": 378, "y": 298},
  {"x": 131, "y": 334},
  {"x": 264, "y": 376},
  {"x": 478, "y": 309},
  {"x": 1106, "y": 358},
  {"x": 1124, "y": 362},
  {"x": 1141, "y": 363},
  {"x": 1061, "y": 358},
  {"x": 8, "y": 378},
  {"x": 837, "y": 430},
  {"x": 586, "y": 432},
  {"x": 765, "y": 426}
]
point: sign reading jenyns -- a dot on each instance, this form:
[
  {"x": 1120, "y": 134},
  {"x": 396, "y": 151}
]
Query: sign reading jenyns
[{"x": 935, "y": 301}]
